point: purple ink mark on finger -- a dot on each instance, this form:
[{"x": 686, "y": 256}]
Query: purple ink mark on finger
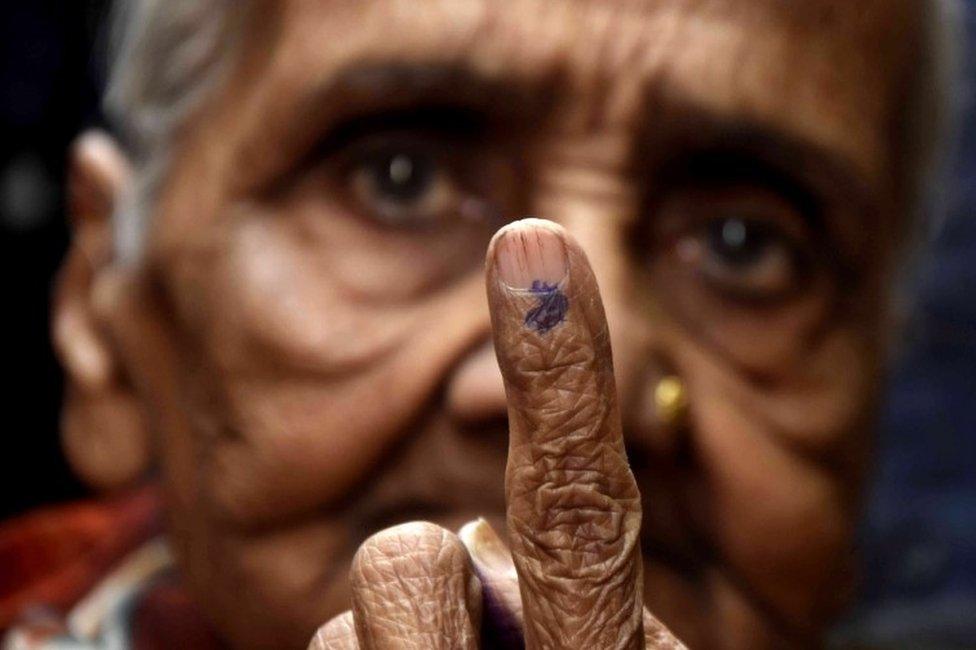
[{"x": 550, "y": 310}]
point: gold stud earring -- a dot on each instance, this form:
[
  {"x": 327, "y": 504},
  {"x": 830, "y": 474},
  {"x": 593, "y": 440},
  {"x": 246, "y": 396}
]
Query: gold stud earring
[{"x": 671, "y": 401}]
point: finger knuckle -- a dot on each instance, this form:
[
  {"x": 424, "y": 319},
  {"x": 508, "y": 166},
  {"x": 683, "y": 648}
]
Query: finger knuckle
[
  {"x": 413, "y": 586},
  {"x": 582, "y": 535},
  {"x": 407, "y": 552},
  {"x": 580, "y": 509},
  {"x": 340, "y": 632}
]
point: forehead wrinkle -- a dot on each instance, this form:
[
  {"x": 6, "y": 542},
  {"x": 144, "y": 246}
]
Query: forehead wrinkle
[
  {"x": 582, "y": 43},
  {"x": 812, "y": 79},
  {"x": 730, "y": 57}
]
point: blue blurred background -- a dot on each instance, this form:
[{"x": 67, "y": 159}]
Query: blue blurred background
[
  {"x": 919, "y": 537},
  {"x": 919, "y": 540}
]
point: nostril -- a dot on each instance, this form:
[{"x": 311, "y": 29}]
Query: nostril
[{"x": 475, "y": 392}]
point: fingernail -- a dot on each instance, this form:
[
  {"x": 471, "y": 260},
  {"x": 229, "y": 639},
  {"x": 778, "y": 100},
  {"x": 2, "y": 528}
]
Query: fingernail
[
  {"x": 531, "y": 255},
  {"x": 486, "y": 548}
]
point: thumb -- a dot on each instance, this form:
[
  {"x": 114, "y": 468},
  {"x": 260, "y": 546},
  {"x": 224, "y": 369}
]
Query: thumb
[{"x": 502, "y": 623}]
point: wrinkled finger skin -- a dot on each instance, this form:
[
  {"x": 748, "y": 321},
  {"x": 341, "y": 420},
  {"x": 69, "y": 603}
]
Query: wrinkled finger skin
[
  {"x": 337, "y": 634},
  {"x": 413, "y": 587},
  {"x": 574, "y": 509},
  {"x": 503, "y": 606}
]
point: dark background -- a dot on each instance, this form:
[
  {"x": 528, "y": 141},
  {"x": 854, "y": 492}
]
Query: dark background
[
  {"x": 50, "y": 79},
  {"x": 919, "y": 538}
]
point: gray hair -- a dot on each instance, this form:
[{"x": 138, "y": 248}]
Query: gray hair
[{"x": 167, "y": 58}]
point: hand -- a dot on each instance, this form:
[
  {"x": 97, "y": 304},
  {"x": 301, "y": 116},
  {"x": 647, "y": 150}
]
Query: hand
[{"x": 573, "y": 578}]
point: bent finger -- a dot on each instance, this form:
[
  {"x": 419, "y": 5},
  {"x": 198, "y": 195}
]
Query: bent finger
[
  {"x": 413, "y": 587},
  {"x": 337, "y": 634},
  {"x": 573, "y": 505}
]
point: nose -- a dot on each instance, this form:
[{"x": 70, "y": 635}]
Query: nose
[
  {"x": 586, "y": 187},
  {"x": 592, "y": 195},
  {"x": 583, "y": 186}
]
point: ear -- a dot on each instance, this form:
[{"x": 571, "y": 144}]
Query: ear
[{"x": 102, "y": 427}]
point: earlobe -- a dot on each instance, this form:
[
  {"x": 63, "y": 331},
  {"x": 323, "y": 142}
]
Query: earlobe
[{"x": 103, "y": 433}]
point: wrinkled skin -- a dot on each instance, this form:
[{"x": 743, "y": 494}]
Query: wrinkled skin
[{"x": 305, "y": 356}]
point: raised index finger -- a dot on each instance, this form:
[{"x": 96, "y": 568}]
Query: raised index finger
[{"x": 573, "y": 506}]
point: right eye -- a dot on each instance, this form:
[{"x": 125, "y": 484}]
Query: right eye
[
  {"x": 743, "y": 257},
  {"x": 747, "y": 242}
]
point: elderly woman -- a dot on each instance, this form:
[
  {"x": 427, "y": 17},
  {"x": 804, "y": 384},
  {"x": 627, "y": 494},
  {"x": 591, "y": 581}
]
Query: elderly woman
[{"x": 275, "y": 332}]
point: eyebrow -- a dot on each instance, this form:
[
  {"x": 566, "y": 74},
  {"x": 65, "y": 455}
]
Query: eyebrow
[
  {"x": 386, "y": 88},
  {"x": 397, "y": 82},
  {"x": 682, "y": 130},
  {"x": 378, "y": 88}
]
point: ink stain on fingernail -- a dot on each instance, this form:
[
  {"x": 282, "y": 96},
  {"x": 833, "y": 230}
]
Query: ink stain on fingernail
[{"x": 550, "y": 310}]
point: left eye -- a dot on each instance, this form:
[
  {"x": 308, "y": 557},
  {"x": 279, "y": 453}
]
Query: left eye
[
  {"x": 742, "y": 256},
  {"x": 403, "y": 186}
]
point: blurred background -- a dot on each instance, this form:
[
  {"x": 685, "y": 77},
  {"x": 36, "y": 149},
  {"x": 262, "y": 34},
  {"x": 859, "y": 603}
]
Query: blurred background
[
  {"x": 50, "y": 78},
  {"x": 919, "y": 536}
]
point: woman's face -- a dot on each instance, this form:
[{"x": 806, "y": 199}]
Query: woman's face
[{"x": 311, "y": 337}]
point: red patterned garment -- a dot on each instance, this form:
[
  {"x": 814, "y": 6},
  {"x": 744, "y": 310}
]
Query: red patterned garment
[{"x": 94, "y": 575}]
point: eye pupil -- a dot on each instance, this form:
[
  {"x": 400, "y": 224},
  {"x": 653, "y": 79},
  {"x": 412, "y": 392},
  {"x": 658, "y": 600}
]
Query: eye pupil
[
  {"x": 736, "y": 241},
  {"x": 734, "y": 233},
  {"x": 401, "y": 169},
  {"x": 402, "y": 177}
]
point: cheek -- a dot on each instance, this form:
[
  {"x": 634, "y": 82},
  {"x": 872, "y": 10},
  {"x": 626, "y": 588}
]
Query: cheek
[
  {"x": 765, "y": 341},
  {"x": 778, "y": 463},
  {"x": 307, "y": 383},
  {"x": 280, "y": 299},
  {"x": 295, "y": 579}
]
